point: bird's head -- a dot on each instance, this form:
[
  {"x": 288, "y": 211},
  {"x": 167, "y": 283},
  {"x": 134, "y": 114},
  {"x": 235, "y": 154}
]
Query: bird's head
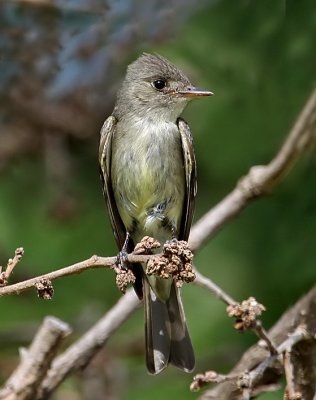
[{"x": 155, "y": 87}]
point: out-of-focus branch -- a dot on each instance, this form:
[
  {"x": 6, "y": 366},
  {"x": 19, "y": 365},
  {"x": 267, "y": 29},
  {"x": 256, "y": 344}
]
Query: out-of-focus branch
[
  {"x": 244, "y": 310},
  {"x": 258, "y": 182},
  {"x": 206, "y": 283},
  {"x": 54, "y": 5},
  {"x": 257, "y": 374},
  {"x": 56, "y": 117},
  {"x": 35, "y": 361},
  {"x": 291, "y": 331},
  {"x": 261, "y": 179},
  {"x": 79, "y": 354},
  {"x": 16, "y": 140}
]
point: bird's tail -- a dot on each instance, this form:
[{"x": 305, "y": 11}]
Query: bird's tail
[{"x": 167, "y": 337}]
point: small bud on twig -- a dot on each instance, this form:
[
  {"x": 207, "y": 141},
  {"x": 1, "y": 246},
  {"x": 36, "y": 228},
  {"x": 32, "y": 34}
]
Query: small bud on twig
[
  {"x": 245, "y": 313},
  {"x": 12, "y": 262}
]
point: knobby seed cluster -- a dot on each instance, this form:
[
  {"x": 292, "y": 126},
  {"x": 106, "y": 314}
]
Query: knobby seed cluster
[
  {"x": 245, "y": 313},
  {"x": 124, "y": 278},
  {"x": 146, "y": 245},
  {"x": 175, "y": 263}
]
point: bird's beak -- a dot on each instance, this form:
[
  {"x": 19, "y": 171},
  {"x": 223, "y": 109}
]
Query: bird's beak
[{"x": 193, "y": 92}]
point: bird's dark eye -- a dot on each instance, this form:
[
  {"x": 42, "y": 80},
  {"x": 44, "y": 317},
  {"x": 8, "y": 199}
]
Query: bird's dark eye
[{"x": 159, "y": 84}]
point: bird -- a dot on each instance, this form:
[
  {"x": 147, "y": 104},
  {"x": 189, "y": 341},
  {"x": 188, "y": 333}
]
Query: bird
[{"x": 148, "y": 173}]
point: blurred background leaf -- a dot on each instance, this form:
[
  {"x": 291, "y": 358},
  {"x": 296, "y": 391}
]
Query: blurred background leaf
[{"x": 60, "y": 66}]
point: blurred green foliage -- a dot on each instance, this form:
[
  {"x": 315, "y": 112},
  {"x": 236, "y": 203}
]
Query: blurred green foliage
[{"x": 259, "y": 59}]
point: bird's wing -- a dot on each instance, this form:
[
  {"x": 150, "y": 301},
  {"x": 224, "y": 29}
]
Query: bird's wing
[
  {"x": 190, "y": 178},
  {"x": 105, "y": 150}
]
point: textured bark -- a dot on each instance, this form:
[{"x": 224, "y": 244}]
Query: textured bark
[{"x": 303, "y": 355}]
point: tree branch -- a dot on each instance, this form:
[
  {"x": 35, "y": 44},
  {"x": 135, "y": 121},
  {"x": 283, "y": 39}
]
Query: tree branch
[
  {"x": 78, "y": 355},
  {"x": 259, "y": 181},
  {"x": 91, "y": 263},
  {"x": 207, "y": 283},
  {"x": 265, "y": 369},
  {"x": 35, "y": 362},
  {"x": 12, "y": 263}
]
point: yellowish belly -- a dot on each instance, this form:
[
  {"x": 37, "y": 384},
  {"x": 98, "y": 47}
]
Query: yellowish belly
[{"x": 149, "y": 184}]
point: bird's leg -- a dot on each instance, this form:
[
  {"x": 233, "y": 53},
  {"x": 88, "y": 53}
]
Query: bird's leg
[
  {"x": 121, "y": 258},
  {"x": 174, "y": 240},
  {"x": 173, "y": 234},
  {"x": 172, "y": 228}
]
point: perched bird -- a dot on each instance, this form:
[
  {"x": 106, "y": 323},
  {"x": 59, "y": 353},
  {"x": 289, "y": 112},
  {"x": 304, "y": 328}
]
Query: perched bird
[{"x": 148, "y": 171}]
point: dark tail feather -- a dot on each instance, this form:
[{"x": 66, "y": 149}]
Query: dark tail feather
[
  {"x": 167, "y": 337},
  {"x": 157, "y": 331},
  {"x": 181, "y": 350}
]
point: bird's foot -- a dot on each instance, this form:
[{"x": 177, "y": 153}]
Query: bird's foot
[
  {"x": 122, "y": 257},
  {"x": 121, "y": 262},
  {"x": 174, "y": 240}
]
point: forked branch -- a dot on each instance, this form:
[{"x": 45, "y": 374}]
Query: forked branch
[{"x": 259, "y": 181}]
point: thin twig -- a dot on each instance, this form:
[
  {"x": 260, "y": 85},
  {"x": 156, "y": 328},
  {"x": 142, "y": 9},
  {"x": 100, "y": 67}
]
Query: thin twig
[
  {"x": 259, "y": 181},
  {"x": 5, "y": 275},
  {"x": 207, "y": 283},
  {"x": 209, "y": 377},
  {"x": 257, "y": 360},
  {"x": 256, "y": 326},
  {"x": 91, "y": 263},
  {"x": 247, "y": 381},
  {"x": 263, "y": 335},
  {"x": 256, "y": 374}
]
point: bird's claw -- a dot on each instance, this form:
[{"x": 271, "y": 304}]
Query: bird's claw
[
  {"x": 121, "y": 262},
  {"x": 174, "y": 240}
]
